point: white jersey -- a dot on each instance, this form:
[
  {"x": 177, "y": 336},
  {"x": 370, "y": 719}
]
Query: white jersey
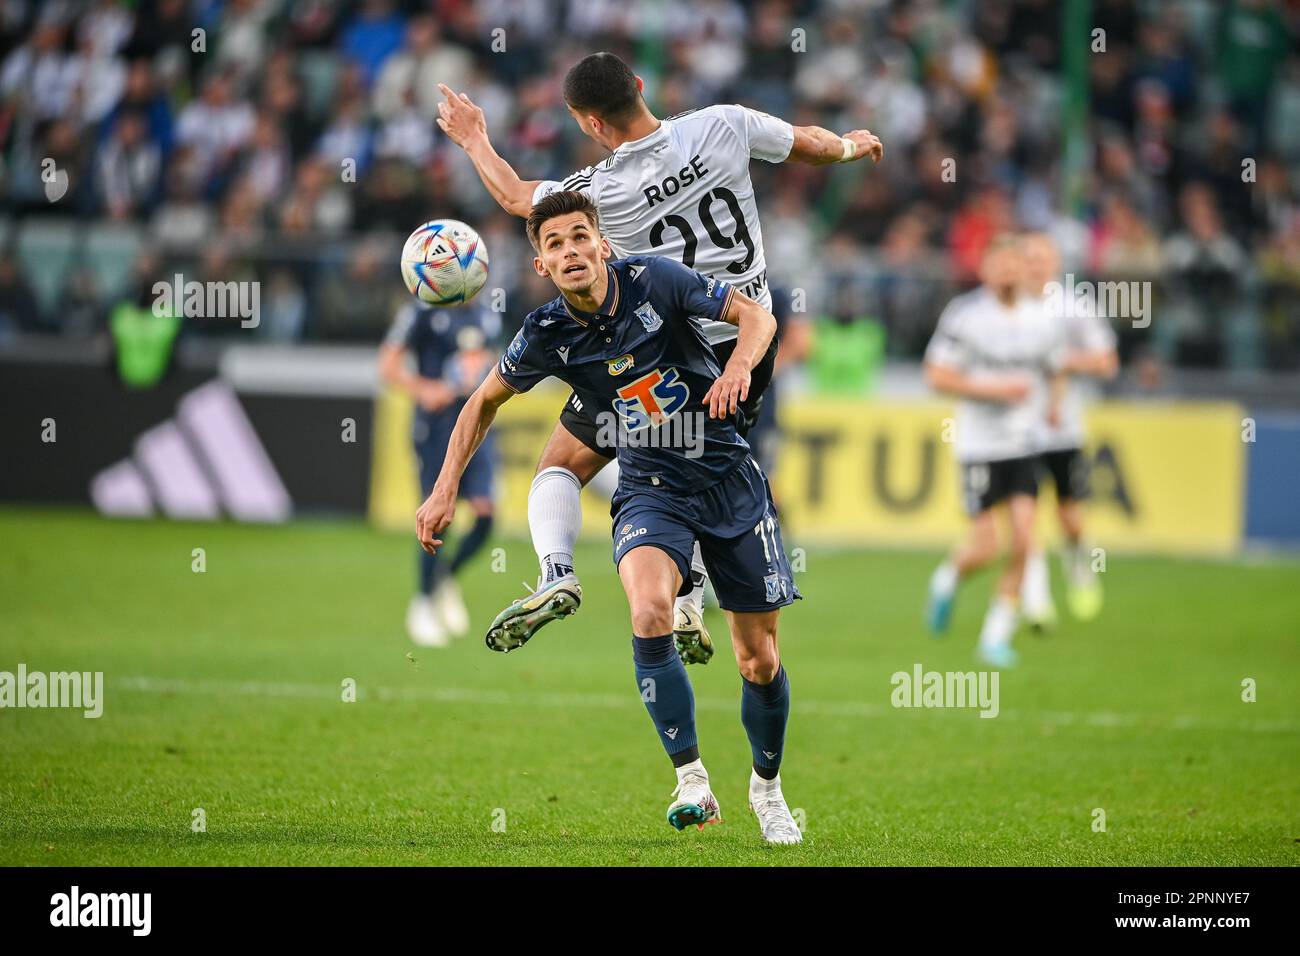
[
  {"x": 1082, "y": 331},
  {"x": 981, "y": 337},
  {"x": 684, "y": 192}
]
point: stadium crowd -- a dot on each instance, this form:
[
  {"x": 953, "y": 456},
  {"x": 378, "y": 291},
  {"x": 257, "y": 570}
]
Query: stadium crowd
[{"x": 293, "y": 142}]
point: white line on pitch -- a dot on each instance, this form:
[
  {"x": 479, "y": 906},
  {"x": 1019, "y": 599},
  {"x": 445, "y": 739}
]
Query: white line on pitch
[{"x": 447, "y": 695}]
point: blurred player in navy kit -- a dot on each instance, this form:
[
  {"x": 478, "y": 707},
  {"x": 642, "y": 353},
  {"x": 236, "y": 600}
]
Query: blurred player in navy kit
[
  {"x": 628, "y": 337},
  {"x": 453, "y": 351}
]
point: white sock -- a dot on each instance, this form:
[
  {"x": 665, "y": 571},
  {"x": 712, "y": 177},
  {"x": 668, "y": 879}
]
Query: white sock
[
  {"x": 699, "y": 576},
  {"x": 554, "y": 519},
  {"x": 1036, "y": 588},
  {"x": 999, "y": 623},
  {"x": 696, "y": 766},
  {"x": 944, "y": 580},
  {"x": 758, "y": 785}
]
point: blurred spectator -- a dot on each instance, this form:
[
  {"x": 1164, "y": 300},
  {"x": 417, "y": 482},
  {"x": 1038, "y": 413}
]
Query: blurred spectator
[
  {"x": 410, "y": 78},
  {"x": 374, "y": 33},
  {"x": 215, "y": 126},
  {"x": 129, "y": 168},
  {"x": 356, "y": 303},
  {"x": 1253, "y": 42},
  {"x": 1205, "y": 267}
]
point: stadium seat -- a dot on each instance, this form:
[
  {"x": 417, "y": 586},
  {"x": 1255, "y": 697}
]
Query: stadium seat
[
  {"x": 111, "y": 252},
  {"x": 46, "y": 248}
]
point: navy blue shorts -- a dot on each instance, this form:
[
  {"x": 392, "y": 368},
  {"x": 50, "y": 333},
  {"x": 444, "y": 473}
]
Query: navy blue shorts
[
  {"x": 735, "y": 523},
  {"x": 431, "y": 449}
]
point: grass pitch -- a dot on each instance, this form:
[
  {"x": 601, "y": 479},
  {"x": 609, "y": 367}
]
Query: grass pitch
[{"x": 224, "y": 693}]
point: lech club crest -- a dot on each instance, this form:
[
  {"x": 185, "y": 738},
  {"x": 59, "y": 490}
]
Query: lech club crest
[{"x": 649, "y": 317}]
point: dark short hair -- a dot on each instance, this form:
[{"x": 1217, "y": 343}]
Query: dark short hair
[
  {"x": 602, "y": 84},
  {"x": 561, "y": 203}
]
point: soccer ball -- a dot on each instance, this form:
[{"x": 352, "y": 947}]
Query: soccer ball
[{"x": 444, "y": 262}]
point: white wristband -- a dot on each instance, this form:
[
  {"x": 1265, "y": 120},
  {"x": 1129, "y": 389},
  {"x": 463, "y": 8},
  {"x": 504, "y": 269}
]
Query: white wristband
[{"x": 850, "y": 150}]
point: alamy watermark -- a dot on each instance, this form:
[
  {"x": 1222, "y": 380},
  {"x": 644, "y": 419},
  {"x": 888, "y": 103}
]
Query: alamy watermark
[
  {"x": 959, "y": 689},
  {"x": 81, "y": 690},
  {"x": 209, "y": 300},
  {"x": 638, "y": 429},
  {"x": 1106, "y": 300}
]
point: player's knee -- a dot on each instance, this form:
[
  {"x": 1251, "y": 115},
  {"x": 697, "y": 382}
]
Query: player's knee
[
  {"x": 652, "y": 615},
  {"x": 759, "y": 666}
]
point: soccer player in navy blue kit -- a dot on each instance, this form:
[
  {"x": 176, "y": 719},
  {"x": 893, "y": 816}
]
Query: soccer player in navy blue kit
[
  {"x": 626, "y": 336},
  {"x": 452, "y": 351}
]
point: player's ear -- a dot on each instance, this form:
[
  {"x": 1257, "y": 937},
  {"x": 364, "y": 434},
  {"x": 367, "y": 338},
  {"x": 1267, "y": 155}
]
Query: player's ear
[
  {"x": 540, "y": 267},
  {"x": 640, "y": 85},
  {"x": 605, "y": 251}
]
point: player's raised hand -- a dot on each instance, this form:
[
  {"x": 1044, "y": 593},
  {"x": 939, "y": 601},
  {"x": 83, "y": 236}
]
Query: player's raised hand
[
  {"x": 459, "y": 117},
  {"x": 727, "y": 392},
  {"x": 868, "y": 144},
  {"x": 433, "y": 517}
]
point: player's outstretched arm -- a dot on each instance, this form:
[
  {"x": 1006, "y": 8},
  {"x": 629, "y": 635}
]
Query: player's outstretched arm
[
  {"x": 942, "y": 378},
  {"x": 819, "y": 147},
  {"x": 471, "y": 428},
  {"x": 465, "y": 126},
  {"x": 757, "y": 326},
  {"x": 1098, "y": 363}
]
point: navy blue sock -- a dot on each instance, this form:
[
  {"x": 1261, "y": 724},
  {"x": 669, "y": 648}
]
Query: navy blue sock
[
  {"x": 428, "y": 566},
  {"x": 666, "y": 690},
  {"x": 474, "y": 539},
  {"x": 764, "y": 710}
]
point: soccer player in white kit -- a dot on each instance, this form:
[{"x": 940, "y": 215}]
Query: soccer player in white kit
[
  {"x": 677, "y": 187},
  {"x": 996, "y": 350},
  {"x": 1090, "y": 355}
]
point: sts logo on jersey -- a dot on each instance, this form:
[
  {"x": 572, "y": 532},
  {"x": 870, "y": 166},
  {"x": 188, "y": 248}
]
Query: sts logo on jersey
[{"x": 651, "y": 400}]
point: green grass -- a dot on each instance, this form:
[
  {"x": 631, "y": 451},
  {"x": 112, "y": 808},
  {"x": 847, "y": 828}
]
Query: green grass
[{"x": 223, "y": 692}]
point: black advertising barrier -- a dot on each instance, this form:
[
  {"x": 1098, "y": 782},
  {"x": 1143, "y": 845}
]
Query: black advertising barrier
[{"x": 67, "y": 423}]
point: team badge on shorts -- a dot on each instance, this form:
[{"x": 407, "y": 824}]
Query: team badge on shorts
[
  {"x": 648, "y": 316},
  {"x": 773, "y": 584}
]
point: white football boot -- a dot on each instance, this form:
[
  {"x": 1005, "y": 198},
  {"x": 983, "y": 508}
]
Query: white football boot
[
  {"x": 774, "y": 819},
  {"x": 694, "y": 646},
  {"x": 695, "y": 802},
  {"x": 516, "y": 625},
  {"x": 422, "y": 624},
  {"x": 449, "y": 605}
]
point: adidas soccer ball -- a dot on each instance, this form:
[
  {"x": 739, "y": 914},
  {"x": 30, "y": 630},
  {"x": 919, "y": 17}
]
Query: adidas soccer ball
[{"x": 444, "y": 262}]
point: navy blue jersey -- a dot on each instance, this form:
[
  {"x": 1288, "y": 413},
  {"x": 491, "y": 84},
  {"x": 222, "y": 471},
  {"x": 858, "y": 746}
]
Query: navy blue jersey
[
  {"x": 452, "y": 344},
  {"x": 642, "y": 366}
]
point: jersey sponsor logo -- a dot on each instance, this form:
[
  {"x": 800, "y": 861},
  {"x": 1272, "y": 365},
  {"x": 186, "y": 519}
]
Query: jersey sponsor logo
[
  {"x": 648, "y": 316},
  {"x": 652, "y": 399},
  {"x": 621, "y": 364},
  {"x": 671, "y": 185}
]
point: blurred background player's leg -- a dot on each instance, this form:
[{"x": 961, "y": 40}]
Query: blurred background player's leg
[
  {"x": 476, "y": 486},
  {"x": 1083, "y": 586},
  {"x": 1000, "y": 620},
  {"x": 1036, "y": 593},
  {"x": 423, "y": 624}
]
